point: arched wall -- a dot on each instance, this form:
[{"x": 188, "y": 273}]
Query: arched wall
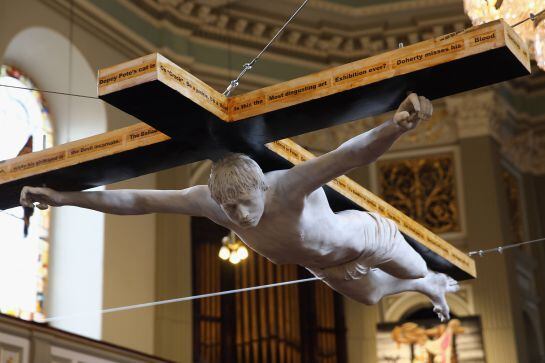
[
  {"x": 77, "y": 236},
  {"x": 15, "y": 18}
]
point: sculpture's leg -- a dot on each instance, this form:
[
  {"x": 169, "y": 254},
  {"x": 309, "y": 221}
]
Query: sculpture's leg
[
  {"x": 376, "y": 284},
  {"x": 405, "y": 262},
  {"x": 384, "y": 242}
]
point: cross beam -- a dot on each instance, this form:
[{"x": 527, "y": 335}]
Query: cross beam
[
  {"x": 170, "y": 99},
  {"x": 205, "y": 124}
]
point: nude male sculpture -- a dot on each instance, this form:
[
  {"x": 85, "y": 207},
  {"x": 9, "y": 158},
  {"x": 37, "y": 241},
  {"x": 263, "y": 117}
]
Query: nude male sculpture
[{"x": 285, "y": 216}]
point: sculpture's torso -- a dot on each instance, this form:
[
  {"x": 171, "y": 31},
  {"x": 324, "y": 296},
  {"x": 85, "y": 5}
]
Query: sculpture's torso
[{"x": 305, "y": 232}]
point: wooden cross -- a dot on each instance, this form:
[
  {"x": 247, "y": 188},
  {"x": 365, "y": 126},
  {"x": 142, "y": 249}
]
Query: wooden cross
[{"x": 202, "y": 123}]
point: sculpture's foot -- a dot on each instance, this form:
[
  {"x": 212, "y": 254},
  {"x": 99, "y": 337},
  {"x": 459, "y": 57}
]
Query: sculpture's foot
[{"x": 435, "y": 286}]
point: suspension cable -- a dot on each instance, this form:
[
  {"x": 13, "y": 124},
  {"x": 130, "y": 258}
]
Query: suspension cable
[
  {"x": 500, "y": 249},
  {"x": 181, "y": 299},
  {"x": 247, "y": 66},
  {"x": 51, "y": 92},
  {"x": 532, "y": 17}
]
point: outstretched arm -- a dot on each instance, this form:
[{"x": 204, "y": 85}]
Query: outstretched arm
[
  {"x": 195, "y": 201},
  {"x": 361, "y": 150}
]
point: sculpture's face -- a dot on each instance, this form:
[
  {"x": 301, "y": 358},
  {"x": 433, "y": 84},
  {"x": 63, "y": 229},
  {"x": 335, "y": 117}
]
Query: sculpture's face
[{"x": 246, "y": 210}]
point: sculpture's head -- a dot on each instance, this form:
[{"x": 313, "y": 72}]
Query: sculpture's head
[{"x": 238, "y": 185}]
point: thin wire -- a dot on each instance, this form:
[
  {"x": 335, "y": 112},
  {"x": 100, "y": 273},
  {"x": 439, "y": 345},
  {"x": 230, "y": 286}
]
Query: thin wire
[
  {"x": 532, "y": 17},
  {"x": 11, "y": 215},
  {"x": 181, "y": 299},
  {"x": 52, "y": 92},
  {"x": 500, "y": 249},
  {"x": 247, "y": 66},
  {"x": 252, "y": 288}
]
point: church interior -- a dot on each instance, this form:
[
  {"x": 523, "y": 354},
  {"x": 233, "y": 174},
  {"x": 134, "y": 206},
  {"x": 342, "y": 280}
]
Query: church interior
[{"x": 473, "y": 176}]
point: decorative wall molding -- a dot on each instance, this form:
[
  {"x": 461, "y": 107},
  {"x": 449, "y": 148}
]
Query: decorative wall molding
[
  {"x": 31, "y": 342},
  {"x": 525, "y": 150},
  {"x": 353, "y": 36},
  {"x": 472, "y": 112},
  {"x": 457, "y": 238},
  {"x": 387, "y": 7},
  {"x": 440, "y": 130},
  {"x": 424, "y": 188},
  {"x": 326, "y": 43},
  {"x": 66, "y": 355},
  {"x": 521, "y": 137},
  {"x": 489, "y": 112},
  {"x": 20, "y": 345}
]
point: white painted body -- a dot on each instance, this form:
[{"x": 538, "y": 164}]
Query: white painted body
[{"x": 290, "y": 221}]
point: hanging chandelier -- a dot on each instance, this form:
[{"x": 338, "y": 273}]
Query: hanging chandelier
[
  {"x": 514, "y": 12},
  {"x": 232, "y": 249}
]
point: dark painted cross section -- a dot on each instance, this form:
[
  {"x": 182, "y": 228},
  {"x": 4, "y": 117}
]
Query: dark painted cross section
[{"x": 196, "y": 128}]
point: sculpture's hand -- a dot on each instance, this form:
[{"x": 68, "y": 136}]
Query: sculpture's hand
[
  {"x": 413, "y": 110},
  {"x": 45, "y": 197}
]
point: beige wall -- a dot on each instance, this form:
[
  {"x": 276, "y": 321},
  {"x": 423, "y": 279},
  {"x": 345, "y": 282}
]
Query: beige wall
[
  {"x": 480, "y": 163},
  {"x": 173, "y": 323},
  {"x": 361, "y": 322},
  {"x": 129, "y": 274}
]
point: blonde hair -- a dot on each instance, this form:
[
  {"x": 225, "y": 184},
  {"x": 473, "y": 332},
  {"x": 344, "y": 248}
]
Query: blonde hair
[{"x": 233, "y": 175}]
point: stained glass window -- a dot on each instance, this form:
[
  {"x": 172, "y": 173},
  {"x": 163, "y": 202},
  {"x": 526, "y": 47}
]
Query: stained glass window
[{"x": 25, "y": 126}]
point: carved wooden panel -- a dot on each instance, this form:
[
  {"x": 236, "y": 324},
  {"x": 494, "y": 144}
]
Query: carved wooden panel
[{"x": 424, "y": 188}]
